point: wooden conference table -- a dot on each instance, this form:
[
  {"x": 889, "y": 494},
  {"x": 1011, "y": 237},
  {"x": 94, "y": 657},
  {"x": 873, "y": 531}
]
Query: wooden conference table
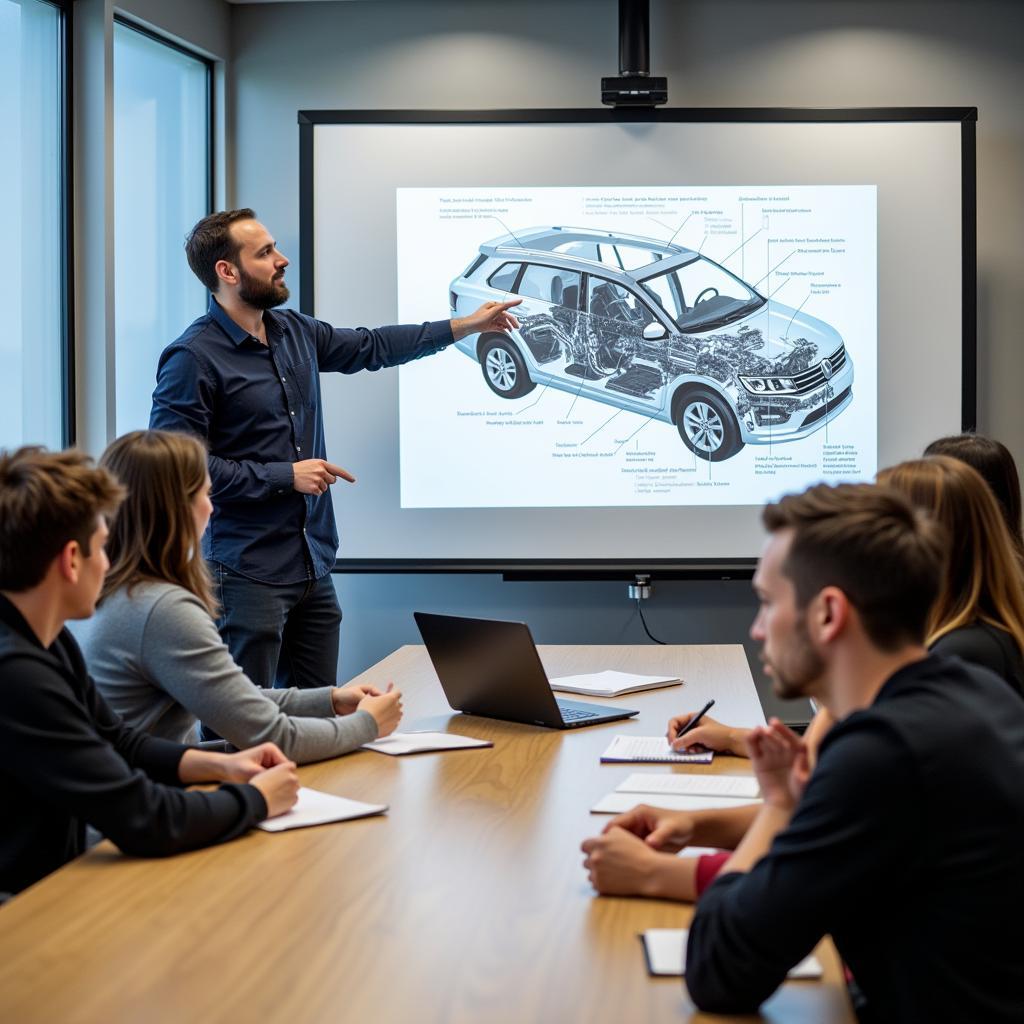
[{"x": 466, "y": 902}]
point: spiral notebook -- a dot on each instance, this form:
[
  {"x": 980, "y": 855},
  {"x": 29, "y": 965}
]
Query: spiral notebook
[{"x": 650, "y": 750}]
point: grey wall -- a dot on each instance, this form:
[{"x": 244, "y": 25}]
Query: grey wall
[{"x": 484, "y": 54}]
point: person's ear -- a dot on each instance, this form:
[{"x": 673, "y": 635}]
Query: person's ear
[
  {"x": 831, "y": 614},
  {"x": 226, "y": 271},
  {"x": 69, "y": 561}
]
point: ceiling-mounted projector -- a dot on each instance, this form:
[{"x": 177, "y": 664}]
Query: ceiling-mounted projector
[
  {"x": 634, "y": 86},
  {"x": 634, "y": 91}
]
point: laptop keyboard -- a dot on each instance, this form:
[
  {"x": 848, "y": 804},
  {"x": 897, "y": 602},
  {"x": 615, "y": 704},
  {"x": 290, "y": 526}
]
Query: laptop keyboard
[{"x": 574, "y": 714}]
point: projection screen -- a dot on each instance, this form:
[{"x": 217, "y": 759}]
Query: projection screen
[{"x": 715, "y": 308}]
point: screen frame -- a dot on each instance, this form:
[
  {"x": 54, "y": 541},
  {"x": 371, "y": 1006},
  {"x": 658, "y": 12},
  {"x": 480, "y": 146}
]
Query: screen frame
[{"x": 614, "y": 569}]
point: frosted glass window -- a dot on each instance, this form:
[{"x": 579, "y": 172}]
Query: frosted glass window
[
  {"x": 32, "y": 386},
  {"x": 161, "y": 188}
]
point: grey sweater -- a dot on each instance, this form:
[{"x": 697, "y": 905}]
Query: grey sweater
[{"x": 159, "y": 661}]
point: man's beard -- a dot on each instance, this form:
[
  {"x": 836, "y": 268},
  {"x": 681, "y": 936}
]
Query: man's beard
[
  {"x": 804, "y": 666},
  {"x": 261, "y": 294}
]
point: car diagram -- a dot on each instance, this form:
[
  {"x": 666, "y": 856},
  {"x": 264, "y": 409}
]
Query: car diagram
[{"x": 655, "y": 328}]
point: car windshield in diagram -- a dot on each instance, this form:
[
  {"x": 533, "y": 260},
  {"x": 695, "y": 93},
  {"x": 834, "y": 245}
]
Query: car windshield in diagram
[
  {"x": 701, "y": 296},
  {"x": 657, "y": 329}
]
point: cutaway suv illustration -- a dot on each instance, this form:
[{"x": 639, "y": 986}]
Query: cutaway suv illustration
[{"x": 655, "y": 328}]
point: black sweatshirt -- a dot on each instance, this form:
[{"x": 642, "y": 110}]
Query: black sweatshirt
[
  {"x": 68, "y": 760},
  {"x": 907, "y": 847}
]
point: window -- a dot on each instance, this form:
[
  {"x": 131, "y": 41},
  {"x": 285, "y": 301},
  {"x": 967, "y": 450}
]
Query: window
[
  {"x": 162, "y": 163},
  {"x": 505, "y": 276},
  {"x": 34, "y": 391},
  {"x": 702, "y": 295},
  {"x": 585, "y": 250},
  {"x": 562, "y": 287}
]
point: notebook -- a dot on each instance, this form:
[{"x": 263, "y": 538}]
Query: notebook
[
  {"x": 316, "y": 808},
  {"x": 650, "y": 749},
  {"x": 400, "y": 743},
  {"x": 619, "y": 803},
  {"x": 740, "y": 787},
  {"x": 665, "y": 950},
  {"x": 611, "y": 683}
]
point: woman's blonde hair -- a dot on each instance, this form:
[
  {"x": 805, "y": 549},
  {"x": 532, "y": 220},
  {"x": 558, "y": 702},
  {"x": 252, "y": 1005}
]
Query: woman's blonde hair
[
  {"x": 153, "y": 536},
  {"x": 983, "y": 580}
]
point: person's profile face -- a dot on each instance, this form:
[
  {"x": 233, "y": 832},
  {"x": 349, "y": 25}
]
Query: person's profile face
[
  {"x": 202, "y": 507},
  {"x": 787, "y": 652},
  {"x": 261, "y": 267},
  {"x": 91, "y": 572}
]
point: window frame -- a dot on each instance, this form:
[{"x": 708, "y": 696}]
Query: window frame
[
  {"x": 66, "y": 217},
  {"x": 211, "y": 105},
  {"x": 209, "y": 68}
]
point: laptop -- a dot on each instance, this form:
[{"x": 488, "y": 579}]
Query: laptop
[{"x": 492, "y": 669}]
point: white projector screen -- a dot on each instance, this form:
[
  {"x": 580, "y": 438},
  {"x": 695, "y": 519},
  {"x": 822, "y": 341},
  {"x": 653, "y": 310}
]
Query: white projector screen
[{"x": 718, "y": 307}]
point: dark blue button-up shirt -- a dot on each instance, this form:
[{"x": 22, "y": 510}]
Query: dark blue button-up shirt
[{"x": 258, "y": 409}]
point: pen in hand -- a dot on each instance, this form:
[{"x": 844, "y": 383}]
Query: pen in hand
[{"x": 691, "y": 724}]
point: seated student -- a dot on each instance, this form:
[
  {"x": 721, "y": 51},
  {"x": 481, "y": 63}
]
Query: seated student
[
  {"x": 904, "y": 844},
  {"x": 993, "y": 461},
  {"x": 979, "y": 612},
  {"x": 68, "y": 759},
  {"x": 978, "y": 615},
  {"x": 153, "y": 647}
]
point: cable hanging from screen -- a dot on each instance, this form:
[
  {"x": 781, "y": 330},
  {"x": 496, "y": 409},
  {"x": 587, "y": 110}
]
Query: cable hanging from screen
[{"x": 643, "y": 621}]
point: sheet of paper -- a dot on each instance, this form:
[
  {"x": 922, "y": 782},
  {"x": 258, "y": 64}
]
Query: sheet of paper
[
  {"x": 665, "y": 949},
  {"x": 741, "y": 787},
  {"x": 399, "y": 743},
  {"x": 611, "y": 683},
  {"x": 316, "y": 808},
  {"x": 650, "y": 749},
  {"x": 618, "y": 803}
]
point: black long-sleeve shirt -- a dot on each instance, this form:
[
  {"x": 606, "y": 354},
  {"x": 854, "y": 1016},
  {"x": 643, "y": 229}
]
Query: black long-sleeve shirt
[
  {"x": 986, "y": 645},
  {"x": 68, "y": 760},
  {"x": 907, "y": 847}
]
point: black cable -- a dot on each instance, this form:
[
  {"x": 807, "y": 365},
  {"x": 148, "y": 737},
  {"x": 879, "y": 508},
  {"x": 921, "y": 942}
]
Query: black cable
[{"x": 639, "y": 608}]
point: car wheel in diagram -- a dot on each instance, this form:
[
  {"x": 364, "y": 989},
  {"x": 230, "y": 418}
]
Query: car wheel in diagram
[
  {"x": 707, "y": 425},
  {"x": 504, "y": 370}
]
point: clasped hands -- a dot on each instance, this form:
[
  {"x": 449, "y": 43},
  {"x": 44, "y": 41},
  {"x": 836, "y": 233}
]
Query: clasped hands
[
  {"x": 629, "y": 857},
  {"x": 385, "y": 706},
  {"x": 267, "y": 768},
  {"x": 264, "y": 767}
]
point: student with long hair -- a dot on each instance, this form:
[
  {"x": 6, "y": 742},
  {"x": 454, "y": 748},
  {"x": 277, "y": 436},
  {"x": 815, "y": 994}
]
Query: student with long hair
[
  {"x": 153, "y": 647},
  {"x": 994, "y": 462},
  {"x": 978, "y": 613}
]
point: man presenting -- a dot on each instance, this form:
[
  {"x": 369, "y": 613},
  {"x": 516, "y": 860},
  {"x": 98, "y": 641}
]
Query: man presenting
[{"x": 246, "y": 380}]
